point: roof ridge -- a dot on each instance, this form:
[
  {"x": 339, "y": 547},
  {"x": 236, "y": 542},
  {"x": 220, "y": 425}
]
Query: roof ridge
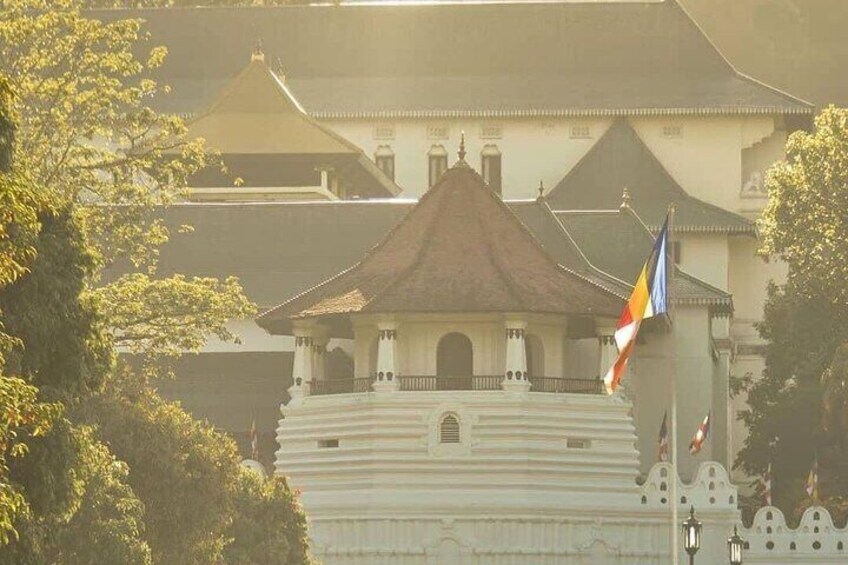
[
  {"x": 589, "y": 263},
  {"x": 693, "y": 22},
  {"x": 510, "y": 283},
  {"x": 428, "y": 241}
]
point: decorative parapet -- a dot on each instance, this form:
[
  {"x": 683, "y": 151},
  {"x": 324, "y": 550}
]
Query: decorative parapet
[
  {"x": 815, "y": 539},
  {"x": 711, "y": 488}
]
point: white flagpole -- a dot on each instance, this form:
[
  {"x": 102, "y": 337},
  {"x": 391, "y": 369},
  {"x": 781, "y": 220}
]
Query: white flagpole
[
  {"x": 674, "y": 501},
  {"x": 675, "y": 553}
]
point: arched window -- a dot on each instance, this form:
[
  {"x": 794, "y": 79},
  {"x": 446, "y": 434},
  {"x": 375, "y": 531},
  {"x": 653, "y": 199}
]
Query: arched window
[
  {"x": 454, "y": 362},
  {"x": 384, "y": 158},
  {"x": 535, "y": 352},
  {"x": 449, "y": 429},
  {"x": 437, "y": 159},
  {"x": 490, "y": 167}
]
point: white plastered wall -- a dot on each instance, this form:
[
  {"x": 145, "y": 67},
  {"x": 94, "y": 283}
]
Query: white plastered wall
[{"x": 532, "y": 150}]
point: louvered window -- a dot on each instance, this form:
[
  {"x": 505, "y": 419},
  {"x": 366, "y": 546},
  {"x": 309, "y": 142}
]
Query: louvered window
[{"x": 449, "y": 429}]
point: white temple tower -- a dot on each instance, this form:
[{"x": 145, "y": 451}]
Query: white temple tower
[{"x": 459, "y": 439}]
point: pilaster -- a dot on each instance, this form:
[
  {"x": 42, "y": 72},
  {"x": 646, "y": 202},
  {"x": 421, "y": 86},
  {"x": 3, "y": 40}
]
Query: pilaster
[
  {"x": 387, "y": 366},
  {"x": 515, "y": 369},
  {"x": 302, "y": 371}
]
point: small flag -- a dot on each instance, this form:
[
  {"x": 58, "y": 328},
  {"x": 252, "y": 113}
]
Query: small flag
[
  {"x": 700, "y": 436},
  {"x": 254, "y": 441},
  {"x": 662, "y": 455},
  {"x": 813, "y": 480},
  {"x": 767, "y": 486},
  {"x": 649, "y": 298}
]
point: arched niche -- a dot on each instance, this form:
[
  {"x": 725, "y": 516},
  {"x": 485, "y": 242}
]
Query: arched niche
[{"x": 454, "y": 359}]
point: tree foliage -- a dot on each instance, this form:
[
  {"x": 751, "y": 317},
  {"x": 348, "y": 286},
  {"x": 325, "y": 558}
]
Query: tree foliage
[
  {"x": 798, "y": 410},
  {"x": 268, "y": 526},
  {"x": 89, "y": 138},
  {"x": 167, "y": 488}
]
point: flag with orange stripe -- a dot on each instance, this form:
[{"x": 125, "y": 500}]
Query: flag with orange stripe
[{"x": 649, "y": 298}]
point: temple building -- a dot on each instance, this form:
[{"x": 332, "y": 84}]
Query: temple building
[
  {"x": 400, "y": 292},
  {"x": 458, "y": 421},
  {"x": 271, "y": 149}
]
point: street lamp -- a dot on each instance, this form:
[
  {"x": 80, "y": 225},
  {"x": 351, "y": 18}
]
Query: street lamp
[
  {"x": 734, "y": 548},
  {"x": 692, "y": 535}
]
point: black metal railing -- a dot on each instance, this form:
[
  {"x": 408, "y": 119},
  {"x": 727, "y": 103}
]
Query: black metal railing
[
  {"x": 570, "y": 386},
  {"x": 432, "y": 382},
  {"x": 421, "y": 383},
  {"x": 340, "y": 386}
]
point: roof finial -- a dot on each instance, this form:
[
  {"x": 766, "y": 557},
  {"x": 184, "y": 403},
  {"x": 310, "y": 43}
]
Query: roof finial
[
  {"x": 257, "y": 54},
  {"x": 462, "y": 146},
  {"x": 625, "y": 199},
  {"x": 541, "y": 189}
]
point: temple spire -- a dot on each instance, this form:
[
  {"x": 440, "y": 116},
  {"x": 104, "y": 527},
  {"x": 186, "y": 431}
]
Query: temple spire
[
  {"x": 625, "y": 199},
  {"x": 257, "y": 54}
]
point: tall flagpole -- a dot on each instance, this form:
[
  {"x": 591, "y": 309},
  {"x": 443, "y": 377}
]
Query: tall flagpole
[{"x": 675, "y": 553}]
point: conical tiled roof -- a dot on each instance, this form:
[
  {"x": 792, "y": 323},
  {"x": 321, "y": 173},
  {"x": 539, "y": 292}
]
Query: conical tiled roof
[{"x": 460, "y": 249}]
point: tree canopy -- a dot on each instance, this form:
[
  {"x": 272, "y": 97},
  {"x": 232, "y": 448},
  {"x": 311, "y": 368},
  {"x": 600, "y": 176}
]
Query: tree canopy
[
  {"x": 94, "y": 466},
  {"x": 798, "y": 410}
]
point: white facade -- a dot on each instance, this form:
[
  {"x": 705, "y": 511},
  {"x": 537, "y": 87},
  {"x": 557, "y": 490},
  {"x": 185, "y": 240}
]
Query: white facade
[
  {"x": 719, "y": 159},
  {"x": 536, "y": 478}
]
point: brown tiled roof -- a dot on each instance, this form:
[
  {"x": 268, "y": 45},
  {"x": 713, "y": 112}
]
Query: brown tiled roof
[{"x": 461, "y": 249}]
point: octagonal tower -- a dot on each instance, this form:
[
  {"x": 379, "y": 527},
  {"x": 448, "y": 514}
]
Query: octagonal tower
[{"x": 460, "y": 439}]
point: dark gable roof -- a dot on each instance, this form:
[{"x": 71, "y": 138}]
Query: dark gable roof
[
  {"x": 460, "y": 249},
  {"x": 621, "y": 159},
  {"x": 477, "y": 59},
  {"x": 277, "y": 249},
  {"x": 617, "y": 242}
]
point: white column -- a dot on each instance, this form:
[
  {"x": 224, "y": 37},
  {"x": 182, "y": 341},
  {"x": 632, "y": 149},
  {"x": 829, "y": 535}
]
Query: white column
[
  {"x": 515, "y": 369},
  {"x": 319, "y": 350},
  {"x": 608, "y": 351},
  {"x": 387, "y": 358},
  {"x": 302, "y": 372}
]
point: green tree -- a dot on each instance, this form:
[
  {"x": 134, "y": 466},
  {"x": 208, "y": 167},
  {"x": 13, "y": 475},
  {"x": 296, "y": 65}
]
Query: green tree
[
  {"x": 201, "y": 506},
  {"x": 89, "y": 138},
  {"x": 268, "y": 526},
  {"x": 797, "y": 410}
]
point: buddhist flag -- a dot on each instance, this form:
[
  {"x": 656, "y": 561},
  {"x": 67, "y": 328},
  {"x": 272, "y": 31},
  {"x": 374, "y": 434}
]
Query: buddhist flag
[
  {"x": 649, "y": 298},
  {"x": 767, "y": 486},
  {"x": 254, "y": 441},
  {"x": 700, "y": 436},
  {"x": 662, "y": 454},
  {"x": 813, "y": 480}
]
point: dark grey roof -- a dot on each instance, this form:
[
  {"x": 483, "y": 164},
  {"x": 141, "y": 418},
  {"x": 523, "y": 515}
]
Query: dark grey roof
[
  {"x": 621, "y": 159},
  {"x": 276, "y": 249},
  {"x": 494, "y": 59},
  {"x": 618, "y": 243},
  {"x": 279, "y": 250}
]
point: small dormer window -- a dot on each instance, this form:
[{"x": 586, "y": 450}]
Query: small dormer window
[
  {"x": 490, "y": 167},
  {"x": 438, "y": 163},
  {"x": 384, "y": 158},
  {"x": 672, "y": 131},
  {"x": 580, "y": 132},
  {"x": 449, "y": 429}
]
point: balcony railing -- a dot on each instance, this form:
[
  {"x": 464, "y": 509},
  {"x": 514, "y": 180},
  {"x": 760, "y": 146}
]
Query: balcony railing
[
  {"x": 422, "y": 383},
  {"x": 572, "y": 386},
  {"x": 429, "y": 382},
  {"x": 340, "y": 386}
]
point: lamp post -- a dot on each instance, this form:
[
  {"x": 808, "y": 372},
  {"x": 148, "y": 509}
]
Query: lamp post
[
  {"x": 735, "y": 545},
  {"x": 692, "y": 535}
]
